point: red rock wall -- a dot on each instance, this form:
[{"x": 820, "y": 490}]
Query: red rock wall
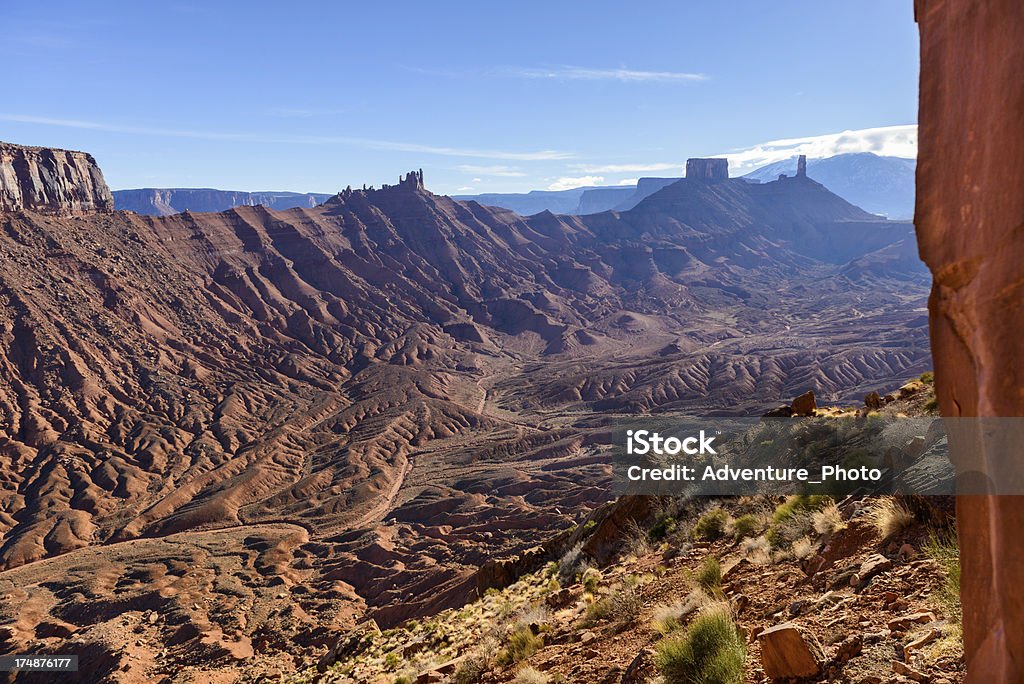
[
  {"x": 970, "y": 225},
  {"x": 51, "y": 181}
]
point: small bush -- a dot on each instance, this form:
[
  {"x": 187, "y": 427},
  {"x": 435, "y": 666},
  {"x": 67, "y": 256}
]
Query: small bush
[
  {"x": 622, "y": 606},
  {"x": 665, "y": 526},
  {"x": 944, "y": 549},
  {"x": 711, "y": 526},
  {"x": 478, "y": 663},
  {"x": 667, "y": 619},
  {"x": 404, "y": 679},
  {"x": 828, "y": 520},
  {"x": 932, "y": 405},
  {"x": 745, "y": 526},
  {"x": 757, "y": 550},
  {"x": 636, "y": 541},
  {"x": 521, "y": 644},
  {"x": 889, "y": 516},
  {"x": 528, "y": 675},
  {"x": 568, "y": 562},
  {"x": 709, "y": 577},
  {"x": 392, "y": 660},
  {"x": 711, "y": 651},
  {"x": 928, "y": 378},
  {"x": 798, "y": 503},
  {"x": 802, "y": 548},
  {"x": 591, "y": 579}
]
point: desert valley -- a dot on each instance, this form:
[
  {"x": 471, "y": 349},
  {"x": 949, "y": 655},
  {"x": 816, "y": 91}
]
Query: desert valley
[{"x": 236, "y": 436}]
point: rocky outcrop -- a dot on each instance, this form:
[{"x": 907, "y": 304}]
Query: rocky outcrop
[
  {"x": 969, "y": 211},
  {"x": 707, "y": 169},
  {"x": 51, "y": 181}
]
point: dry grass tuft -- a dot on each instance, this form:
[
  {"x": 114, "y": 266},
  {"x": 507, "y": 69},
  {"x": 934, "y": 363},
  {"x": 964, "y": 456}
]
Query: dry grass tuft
[{"x": 889, "y": 516}]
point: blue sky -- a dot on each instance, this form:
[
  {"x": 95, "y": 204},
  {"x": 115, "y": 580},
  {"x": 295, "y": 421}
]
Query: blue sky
[{"x": 313, "y": 96}]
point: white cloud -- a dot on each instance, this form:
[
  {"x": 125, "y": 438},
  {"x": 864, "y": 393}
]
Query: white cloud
[
  {"x": 894, "y": 141},
  {"x": 498, "y": 170},
  {"x": 627, "y": 168},
  {"x": 368, "y": 143},
  {"x": 568, "y": 183},
  {"x": 629, "y": 181},
  {"x": 574, "y": 73}
]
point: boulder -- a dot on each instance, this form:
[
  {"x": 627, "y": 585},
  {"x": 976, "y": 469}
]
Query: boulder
[
  {"x": 873, "y": 401},
  {"x": 805, "y": 405},
  {"x": 787, "y": 653}
]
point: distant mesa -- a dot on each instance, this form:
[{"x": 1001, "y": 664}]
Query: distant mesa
[
  {"x": 51, "y": 181},
  {"x": 707, "y": 170}
]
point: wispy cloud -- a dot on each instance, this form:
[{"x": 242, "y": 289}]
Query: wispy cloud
[
  {"x": 575, "y": 73},
  {"x": 568, "y": 183},
  {"x": 497, "y": 170},
  {"x": 894, "y": 141},
  {"x": 368, "y": 143},
  {"x": 626, "y": 168}
]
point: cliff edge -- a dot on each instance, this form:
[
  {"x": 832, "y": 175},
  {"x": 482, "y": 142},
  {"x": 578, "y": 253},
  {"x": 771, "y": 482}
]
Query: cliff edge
[{"x": 51, "y": 181}]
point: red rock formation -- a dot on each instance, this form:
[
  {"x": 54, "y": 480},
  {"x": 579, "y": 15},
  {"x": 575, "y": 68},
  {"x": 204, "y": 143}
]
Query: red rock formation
[
  {"x": 970, "y": 209},
  {"x": 707, "y": 169},
  {"x": 51, "y": 181}
]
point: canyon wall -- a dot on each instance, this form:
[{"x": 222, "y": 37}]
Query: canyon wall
[
  {"x": 969, "y": 216},
  {"x": 51, "y": 181},
  {"x": 167, "y": 201}
]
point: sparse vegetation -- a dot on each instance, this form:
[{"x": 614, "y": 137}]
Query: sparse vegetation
[
  {"x": 520, "y": 645},
  {"x": 943, "y": 548},
  {"x": 473, "y": 667},
  {"x": 828, "y": 520},
  {"x": 567, "y": 564},
  {"x": 528, "y": 675},
  {"x": 665, "y": 526},
  {"x": 712, "y": 525},
  {"x": 711, "y": 651},
  {"x": 709, "y": 577},
  {"x": 636, "y": 541},
  {"x": 802, "y": 548},
  {"x": 621, "y": 606},
  {"x": 890, "y": 516},
  {"x": 745, "y": 526},
  {"x": 928, "y": 378},
  {"x": 392, "y": 660},
  {"x": 793, "y": 518},
  {"x": 404, "y": 679},
  {"x": 757, "y": 550},
  {"x": 591, "y": 580}
]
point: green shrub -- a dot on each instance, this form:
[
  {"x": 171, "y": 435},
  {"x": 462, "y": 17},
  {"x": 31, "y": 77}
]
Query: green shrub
[
  {"x": 709, "y": 577},
  {"x": 744, "y": 526},
  {"x": 711, "y": 526},
  {"x": 392, "y": 660},
  {"x": 522, "y": 643},
  {"x": 928, "y": 378},
  {"x": 473, "y": 668},
  {"x": 944, "y": 549},
  {"x": 799, "y": 503},
  {"x": 711, "y": 651},
  {"x": 591, "y": 579},
  {"x": 665, "y": 526}
]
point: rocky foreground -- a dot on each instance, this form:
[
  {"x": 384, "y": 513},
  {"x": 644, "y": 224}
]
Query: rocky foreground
[{"x": 844, "y": 589}]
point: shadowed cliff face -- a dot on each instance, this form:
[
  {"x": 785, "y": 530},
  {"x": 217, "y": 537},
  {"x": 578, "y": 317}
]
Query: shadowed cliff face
[
  {"x": 50, "y": 181},
  {"x": 970, "y": 209},
  {"x": 303, "y": 417}
]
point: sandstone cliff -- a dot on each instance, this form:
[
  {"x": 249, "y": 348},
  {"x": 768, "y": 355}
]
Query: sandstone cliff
[
  {"x": 969, "y": 211},
  {"x": 51, "y": 181}
]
